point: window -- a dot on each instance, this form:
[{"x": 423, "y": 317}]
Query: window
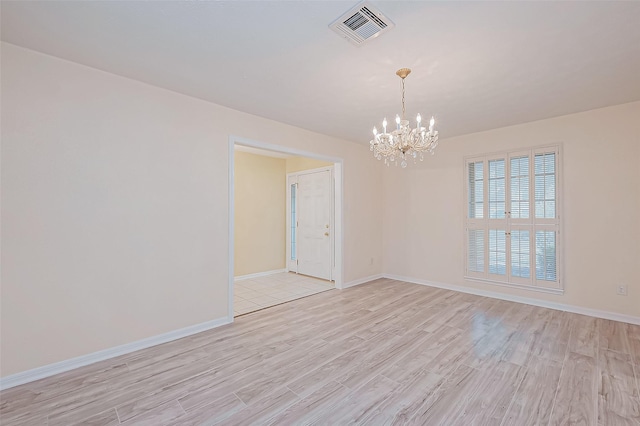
[{"x": 512, "y": 224}]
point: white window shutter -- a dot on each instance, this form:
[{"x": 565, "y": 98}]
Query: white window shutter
[{"x": 512, "y": 223}]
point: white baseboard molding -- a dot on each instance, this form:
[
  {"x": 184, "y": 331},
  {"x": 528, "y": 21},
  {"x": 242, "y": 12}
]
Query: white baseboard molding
[
  {"x": 362, "y": 281},
  {"x": 526, "y": 300},
  {"x": 81, "y": 361},
  {"x": 258, "y": 274}
]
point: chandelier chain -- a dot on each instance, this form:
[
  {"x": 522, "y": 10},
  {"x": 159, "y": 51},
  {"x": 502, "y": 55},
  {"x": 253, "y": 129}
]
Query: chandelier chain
[{"x": 403, "y": 99}]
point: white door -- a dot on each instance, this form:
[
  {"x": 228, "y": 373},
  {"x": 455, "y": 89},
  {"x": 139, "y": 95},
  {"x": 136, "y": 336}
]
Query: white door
[{"x": 314, "y": 214}]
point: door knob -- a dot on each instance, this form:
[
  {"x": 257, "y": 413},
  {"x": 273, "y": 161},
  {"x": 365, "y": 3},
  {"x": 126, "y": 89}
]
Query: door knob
[{"x": 326, "y": 234}]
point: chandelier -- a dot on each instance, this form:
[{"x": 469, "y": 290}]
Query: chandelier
[{"x": 404, "y": 143}]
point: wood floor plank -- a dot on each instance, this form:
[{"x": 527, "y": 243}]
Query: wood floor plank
[
  {"x": 450, "y": 356},
  {"x": 215, "y": 412},
  {"x": 496, "y": 345},
  {"x": 360, "y": 403},
  {"x": 160, "y": 415},
  {"x": 312, "y": 408},
  {"x": 415, "y": 359},
  {"x": 575, "y": 401},
  {"x": 584, "y": 335},
  {"x": 312, "y": 380},
  {"x": 401, "y": 403},
  {"x": 554, "y": 337},
  {"x": 489, "y": 400},
  {"x": 633, "y": 333},
  {"x": 281, "y": 374},
  {"x": 618, "y": 399},
  {"x": 107, "y": 418},
  {"x": 531, "y": 403},
  {"x": 371, "y": 365},
  {"x": 258, "y": 372},
  {"x": 263, "y": 410},
  {"x": 445, "y": 403},
  {"x": 15, "y": 399},
  {"x": 612, "y": 335},
  {"x": 386, "y": 352}
]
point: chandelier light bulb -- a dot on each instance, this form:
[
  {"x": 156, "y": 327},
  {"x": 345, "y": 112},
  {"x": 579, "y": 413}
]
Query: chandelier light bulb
[
  {"x": 384, "y": 124},
  {"x": 418, "y": 119},
  {"x": 375, "y": 131},
  {"x": 431, "y": 123}
]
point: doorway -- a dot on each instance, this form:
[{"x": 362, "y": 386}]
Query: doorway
[{"x": 322, "y": 184}]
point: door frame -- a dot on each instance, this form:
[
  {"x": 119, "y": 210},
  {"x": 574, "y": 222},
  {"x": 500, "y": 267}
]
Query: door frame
[
  {"x": 290, "y": 176},
  {"x": 338, "y": 203}
]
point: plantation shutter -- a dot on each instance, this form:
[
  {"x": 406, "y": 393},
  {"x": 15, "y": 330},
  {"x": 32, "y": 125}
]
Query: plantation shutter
[{"x": 512, "y": 221}]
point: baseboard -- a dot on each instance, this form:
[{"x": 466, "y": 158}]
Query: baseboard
[
  {"x": 258, "y": 274},
  {"x": 614, "y": 316},
  {"x": 81, "y": 361},
  {"x": 362, "y": 281}
]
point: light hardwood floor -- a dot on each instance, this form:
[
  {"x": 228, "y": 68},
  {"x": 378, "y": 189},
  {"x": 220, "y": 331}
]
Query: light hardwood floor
[{"x": 387, "y": 352}]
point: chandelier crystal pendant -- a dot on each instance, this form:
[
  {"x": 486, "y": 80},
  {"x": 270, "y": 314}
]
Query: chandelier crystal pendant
[{"x": 404, "y": 143}]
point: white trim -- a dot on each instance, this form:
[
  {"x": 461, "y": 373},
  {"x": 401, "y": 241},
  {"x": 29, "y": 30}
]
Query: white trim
[
  {"x": 261, "y": 152},
  {"x": 614, "y": 316},
  {"x": 83, "y": 360},
  {"x": 338, "y": 230},
  {"x": 547, "y": 290},
  {"x": 231, "y": 230},
  {"x": 362, "y": 280},
  {"x": 259, "y": 274},
  {"x": 233, "y": 140}
]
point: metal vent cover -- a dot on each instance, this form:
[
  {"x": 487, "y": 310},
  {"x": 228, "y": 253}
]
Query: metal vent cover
[{"x": 361, "y": 23}]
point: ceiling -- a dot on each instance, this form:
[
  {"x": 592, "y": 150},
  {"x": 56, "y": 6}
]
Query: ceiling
[{"x": 476, "y": 65}]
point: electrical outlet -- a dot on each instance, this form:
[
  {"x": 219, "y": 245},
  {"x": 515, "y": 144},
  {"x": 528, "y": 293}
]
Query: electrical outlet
[{"x": 622, "y": 290}]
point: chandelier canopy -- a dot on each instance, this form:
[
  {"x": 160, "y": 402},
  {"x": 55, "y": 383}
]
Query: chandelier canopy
[{"x": 404, "y": 143}]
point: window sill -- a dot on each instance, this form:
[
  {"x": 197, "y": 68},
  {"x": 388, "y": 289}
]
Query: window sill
[{"x": 517, "y": 286}]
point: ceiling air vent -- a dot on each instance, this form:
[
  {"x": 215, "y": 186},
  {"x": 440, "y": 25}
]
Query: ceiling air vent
[{"x": 363, "y": 22}]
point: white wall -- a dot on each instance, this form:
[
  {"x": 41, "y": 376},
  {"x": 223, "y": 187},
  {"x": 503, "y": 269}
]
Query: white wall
[
  {"x": 424, "y": 207},
  {"x": 115, "y": 208}
]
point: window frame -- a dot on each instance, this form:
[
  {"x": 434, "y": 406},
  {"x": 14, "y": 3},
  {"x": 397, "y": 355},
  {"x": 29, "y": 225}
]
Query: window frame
[{"x": 509, "y": 224}]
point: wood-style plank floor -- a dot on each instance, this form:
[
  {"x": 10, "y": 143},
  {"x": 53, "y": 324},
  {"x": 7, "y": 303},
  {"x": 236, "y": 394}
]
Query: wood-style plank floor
[{"x": 382, "y": 353}]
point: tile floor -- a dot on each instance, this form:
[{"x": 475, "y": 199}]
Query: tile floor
[{"x": 258, "y": 293}]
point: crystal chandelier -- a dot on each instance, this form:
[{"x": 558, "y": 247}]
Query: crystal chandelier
[{"x": 404, "y": 143}]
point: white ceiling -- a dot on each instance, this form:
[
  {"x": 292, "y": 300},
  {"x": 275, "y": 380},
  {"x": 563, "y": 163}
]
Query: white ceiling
[{"x": 476, "y": 65}]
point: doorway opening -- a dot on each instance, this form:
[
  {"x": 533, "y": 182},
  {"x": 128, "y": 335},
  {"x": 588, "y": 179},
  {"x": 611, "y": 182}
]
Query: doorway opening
[{"x": 285, "y": 224}]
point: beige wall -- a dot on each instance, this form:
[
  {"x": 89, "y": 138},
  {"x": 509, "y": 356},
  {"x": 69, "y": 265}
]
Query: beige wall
[
  {"x": 260, "y": 209},
  {"x": 424, "y": 207},
  {"x": 298, "y": 164},
  {"x": 115, "y": 208}
]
